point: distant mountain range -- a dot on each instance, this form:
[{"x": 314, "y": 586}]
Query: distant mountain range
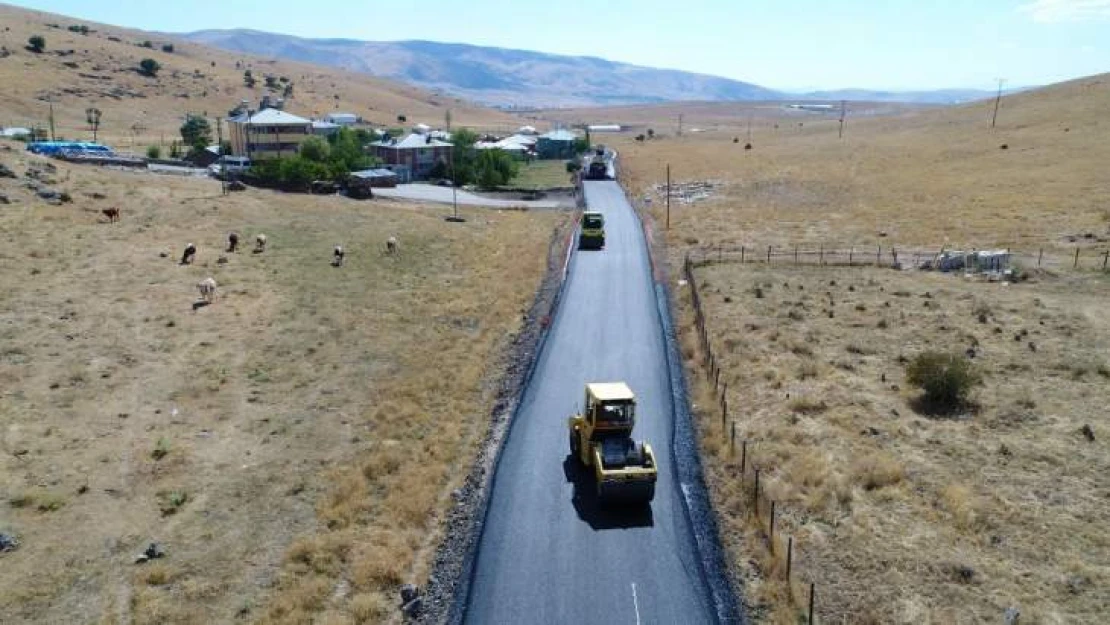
[{"x": 507, "y": 78}]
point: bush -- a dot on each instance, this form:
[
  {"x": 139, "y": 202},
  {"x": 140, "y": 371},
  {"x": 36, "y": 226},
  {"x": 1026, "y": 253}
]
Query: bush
[
  {"x": 167, "y": 48},
  {"x": 154, "y": 152},
  {"x": 149, "y": 67},
  {"x": 947, "y": 379},
  {"x": 36, "y": 43}
]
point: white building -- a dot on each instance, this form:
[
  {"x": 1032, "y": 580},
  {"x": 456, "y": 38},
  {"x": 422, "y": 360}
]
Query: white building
[{"x": 341, "y": 119}]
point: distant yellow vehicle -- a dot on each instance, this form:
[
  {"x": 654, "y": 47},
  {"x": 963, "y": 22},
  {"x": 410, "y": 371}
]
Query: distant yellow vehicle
[
  {"x": 601, "y": 438},
  {"x": 592, "y": 234}
]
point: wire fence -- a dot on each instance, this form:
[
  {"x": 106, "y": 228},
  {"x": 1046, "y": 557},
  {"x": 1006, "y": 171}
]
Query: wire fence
[
  {"x": 1081, "y": 257},
  {"x": 762, "y": 510}
]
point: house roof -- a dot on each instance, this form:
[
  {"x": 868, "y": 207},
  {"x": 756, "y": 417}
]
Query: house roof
[
  {"x": 374, "y": 173},
  {"x": 324, "y": 125},
  {"x": 271, "y": 117},
  {"x": 412, "y": 142},
  {"x": 559, "y": 135}
]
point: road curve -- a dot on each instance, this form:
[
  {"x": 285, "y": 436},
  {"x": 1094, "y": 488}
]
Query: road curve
[{"x": 545, "y": 554}]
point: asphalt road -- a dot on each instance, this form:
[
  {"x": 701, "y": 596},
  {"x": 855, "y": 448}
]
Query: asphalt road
[{"x": 547, "y": 555}]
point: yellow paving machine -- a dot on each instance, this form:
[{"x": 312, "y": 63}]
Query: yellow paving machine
[{"x": 601, "y": 440}]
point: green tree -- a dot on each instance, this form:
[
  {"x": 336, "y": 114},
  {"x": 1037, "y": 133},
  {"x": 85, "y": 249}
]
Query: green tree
[
  {"x": 465, "y": 156},
  {"x": 581, "y": 144},
  {"x": 494, "y": 168},
  {"x": 167, "y": 48},
  {"x": 298, "y": 172},
  {"x": 149, "y": 67},
  {"x": 248, "y": 79},
  {"x": 36, "y": 44},
  {"x": 196, "y": 132},
  {"x": 315, "y": 149},
  {"x": 347, "y": 153},
  {"x": 154, "y": 152}
]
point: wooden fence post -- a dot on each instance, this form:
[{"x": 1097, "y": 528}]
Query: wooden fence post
[
  {"x": 851, "y": 253},
  {"x": 732, "y": 441},
  {"x": 741, "y": 254},
  {"x": 879, "y": 256},
  {"x": 821, "y": 257},
  {"x": 771, "y": 533},
  {"x": 1040, "y": 255},
  {"x": 1105, "y": 258},
  {"x": 755, "y": 496},
  {"x": 743, "y": 460},
  {"x": 795, "y": 254},
  {"x": 1076, "y": 263},
  {"x": 768, "y": 254},
  {"x": 812, "y": 592},
  {"x": 789, "y": 556}
]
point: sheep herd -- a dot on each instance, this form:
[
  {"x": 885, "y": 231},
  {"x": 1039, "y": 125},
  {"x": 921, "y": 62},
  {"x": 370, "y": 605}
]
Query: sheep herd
[{"x": 207, "y": 286}]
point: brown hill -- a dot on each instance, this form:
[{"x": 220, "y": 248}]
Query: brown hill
[{"x": 77, "y": 71}]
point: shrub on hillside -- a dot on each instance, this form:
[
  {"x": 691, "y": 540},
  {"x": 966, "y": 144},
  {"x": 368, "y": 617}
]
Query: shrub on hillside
[
  {"x": 36, "y": 43},
  {"x": 154, "y": 152},
  {"x": 946, "y": 379},
  {"x": 149, "y": 67}
]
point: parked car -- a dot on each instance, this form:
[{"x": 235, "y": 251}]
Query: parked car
[{"x": 235, "y": 165}]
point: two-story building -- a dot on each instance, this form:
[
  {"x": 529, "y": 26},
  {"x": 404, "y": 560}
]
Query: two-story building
[
  {"x": 418, "y": 153},
  {"x": 268, "y": 133}
]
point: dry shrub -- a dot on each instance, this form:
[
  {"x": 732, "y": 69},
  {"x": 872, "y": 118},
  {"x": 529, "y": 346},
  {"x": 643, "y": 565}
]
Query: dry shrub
[
  {"x": 947, "y": 379},
  {"x": 320, "y": 555},
  {"x": 378, "y": 567},
  {"x": 157, "y": 575},
  {"x": 963, "y": 505},
  {"x": 877, "y": 470},
  {"x": 370, "y": 608},
  {"x": 808, "y": 406}
]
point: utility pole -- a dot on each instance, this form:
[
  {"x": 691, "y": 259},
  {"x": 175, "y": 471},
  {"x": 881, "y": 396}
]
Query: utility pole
[
  {"x": 668, "y": 196},
  {"x": 997, "y": 101},
  {"x": 454, "y": 191},
  {"x": 447, "y": 119},
  {"x": 680, "y": 124},
  {"x": 220, "y": 155},
  {"x": 53, "y": 137},
  {"x": 843, "y": 112}
]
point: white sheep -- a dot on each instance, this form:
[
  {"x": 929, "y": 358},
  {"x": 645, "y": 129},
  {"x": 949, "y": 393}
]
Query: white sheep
[
  {"x": 207, "y": 288},
  {"x": 392, "y": 245},
  {"x": 260, "y": 244}
]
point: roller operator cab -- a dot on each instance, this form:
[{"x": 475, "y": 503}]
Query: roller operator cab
[
  {"x": 592, "y": 233},
  {"x": 598, "y": 166},
  {"x": 601, "y": 440}
]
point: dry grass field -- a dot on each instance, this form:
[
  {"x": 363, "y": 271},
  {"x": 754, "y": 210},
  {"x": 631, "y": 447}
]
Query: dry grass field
[
  {"x": 928, "y": 177},
  {"x": 900, "y": 516},
  {"x": 139, "y": 111},
  {"x": 292, "y": 446}
]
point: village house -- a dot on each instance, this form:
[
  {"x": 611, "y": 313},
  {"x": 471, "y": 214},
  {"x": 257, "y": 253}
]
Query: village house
[
  {"x": 269, "y": 133},
  {"x": 417, "y": 153},
  {"x": 556, "y": 144}
]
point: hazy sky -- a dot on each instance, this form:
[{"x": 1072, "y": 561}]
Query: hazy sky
[{"x": 799, "y": 44}]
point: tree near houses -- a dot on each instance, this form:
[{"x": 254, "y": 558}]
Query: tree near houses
[
  {"x": 36, "y": 44},
  {"x": 196, "y": 132}
]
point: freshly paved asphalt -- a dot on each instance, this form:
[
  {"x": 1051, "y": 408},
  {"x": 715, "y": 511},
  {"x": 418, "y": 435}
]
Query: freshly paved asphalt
[{"x": 545, "y": 554}]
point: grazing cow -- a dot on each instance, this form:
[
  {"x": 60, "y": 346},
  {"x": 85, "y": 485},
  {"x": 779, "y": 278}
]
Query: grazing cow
[
  {"x": 111, "y": 213},
  {"x": 391, "y": 245},
  {"x": 337, "y": 257},
  {"x": 190, "y": 252},
  {"x": 260, "y": 244},
  {"x": 207, "y": 288},
  {"x": 232, "y": 241}
]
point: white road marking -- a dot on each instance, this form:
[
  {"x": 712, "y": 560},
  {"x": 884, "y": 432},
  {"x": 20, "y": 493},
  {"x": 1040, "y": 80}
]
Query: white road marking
[{"x": 635, "y": 603}]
